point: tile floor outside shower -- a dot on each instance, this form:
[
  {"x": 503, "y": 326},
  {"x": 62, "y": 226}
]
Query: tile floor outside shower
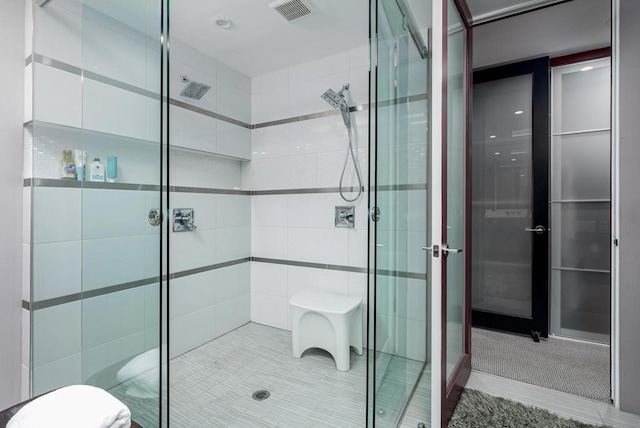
[{"x": 211, "y": 386}]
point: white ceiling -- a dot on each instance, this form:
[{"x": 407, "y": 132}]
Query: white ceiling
[
  {"x": 486, "y": 10},
  {"x": 260, "y": 40}
]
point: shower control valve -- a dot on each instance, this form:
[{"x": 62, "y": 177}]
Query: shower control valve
[
  {"x": 345, "y": 216},
  {"x": 183, "y": 220}
]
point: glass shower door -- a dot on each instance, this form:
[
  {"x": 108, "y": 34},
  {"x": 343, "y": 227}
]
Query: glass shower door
[
  {"x": 122, "y": 231},
  {"x": 398, "y": 226}
]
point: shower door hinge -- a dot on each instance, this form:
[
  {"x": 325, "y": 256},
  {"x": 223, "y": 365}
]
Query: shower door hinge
[{"x": 435, "y": 250}]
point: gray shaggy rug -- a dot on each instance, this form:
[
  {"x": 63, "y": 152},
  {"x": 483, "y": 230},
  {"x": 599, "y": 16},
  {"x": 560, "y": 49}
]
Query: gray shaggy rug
[{"x": 478, "y": 410}]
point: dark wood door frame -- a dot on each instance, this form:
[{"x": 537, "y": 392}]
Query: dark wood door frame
[{"x": 452, "y": 390}]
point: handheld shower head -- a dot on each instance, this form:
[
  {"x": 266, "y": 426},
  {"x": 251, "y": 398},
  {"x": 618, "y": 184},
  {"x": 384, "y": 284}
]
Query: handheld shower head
[{"x": 336, "y": 100}]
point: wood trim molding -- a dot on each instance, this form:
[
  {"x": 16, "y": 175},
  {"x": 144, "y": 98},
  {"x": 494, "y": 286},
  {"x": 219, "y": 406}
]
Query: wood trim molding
[
  {"x": 580, "y": 57},
  {"x": 465, "y": 13}
]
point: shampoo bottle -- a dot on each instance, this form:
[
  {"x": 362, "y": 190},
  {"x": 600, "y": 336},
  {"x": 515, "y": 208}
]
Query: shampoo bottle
[
  {"x": 112, "y": 169},
  {"x": 68, "y": 171},
  {"x": 96, "y": 171},
  {"x": 81, "y": 161}
]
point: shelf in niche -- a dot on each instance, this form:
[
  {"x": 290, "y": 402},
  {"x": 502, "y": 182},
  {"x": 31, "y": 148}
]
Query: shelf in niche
[
  {"x": 81, "y": 133},
  {"x": 75, "y": 184},
  {"x": 205, "y": 153},
  {"x": 84, "y": 133}
]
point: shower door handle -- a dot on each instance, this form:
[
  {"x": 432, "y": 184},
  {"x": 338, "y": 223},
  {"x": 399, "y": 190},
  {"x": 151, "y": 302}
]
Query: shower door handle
[{"x": 155, "y": 217}]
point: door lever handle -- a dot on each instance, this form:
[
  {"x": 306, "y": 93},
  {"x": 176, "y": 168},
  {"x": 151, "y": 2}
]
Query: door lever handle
[
  {"x": 538, "y": 229},
  {"x": 446, "y": 250}
]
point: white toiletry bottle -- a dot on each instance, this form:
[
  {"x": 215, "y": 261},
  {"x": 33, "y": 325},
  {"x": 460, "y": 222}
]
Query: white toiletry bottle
[{"x": 96, "y": 172}]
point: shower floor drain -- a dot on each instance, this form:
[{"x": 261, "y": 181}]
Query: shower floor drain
[{"x": 260, "y": 395}]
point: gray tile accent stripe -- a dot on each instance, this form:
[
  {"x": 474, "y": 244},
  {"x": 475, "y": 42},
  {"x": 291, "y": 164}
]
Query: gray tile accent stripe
[
  {"x": 327, "y": 113},
  {"x": 301, "y": 191},
  {"x": 42, "y": 304},
  {"x": 208, "y": 268},
  {"x": 209, "y": 113},
  {"x": 307, "y": 117},
  {"x": 28, "y": 60},
  {"x": 44, "y": 60},
  {"x": 122, "y": 85},
  {"x": 184, "y": 189},
  {"x": 309, "y": 265},
  {"x": 412, "y": 275},
  {"x": 51, "y": 182}
]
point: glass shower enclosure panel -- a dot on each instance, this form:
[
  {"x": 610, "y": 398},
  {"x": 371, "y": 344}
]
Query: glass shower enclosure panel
[
  {"x": 121, "y": 241},
  {"x": 97, "y": 159},
  {"x": 398, "y": 227}
]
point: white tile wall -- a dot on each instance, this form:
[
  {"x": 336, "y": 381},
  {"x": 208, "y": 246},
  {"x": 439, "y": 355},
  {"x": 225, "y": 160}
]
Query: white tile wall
[
  {"x": 192, "y": 330},
  {"x": 96, "y": 360},
  {"x": 112, "y": 110},
  {"x": 63, "y": 372},
  {"x": 57, "y": 269},
  {"x": 57, "y": 96},
  {"x": 193, "y": 130},
  {"x": 233, "y": 282},
  {"x": 192, "y": 293},
  {"x": 57, "y": 215},
  {"x": 58, "y": 34},
  {"x": 112, "y": 261},
  {"x": 232, "y": 314},
  {"x": 48, "y": 344},
  {"x": 112, "y": 316},
  {"x": 233, "y": 243},
  {"x": 190, "y": 250},
  {"x": 233, "y": 140},
  {"x": 26, "y": 338},
  {"x": 108, "y": 213},
  {"x": 305, "y": 154},
  {"x": 270, "y": 310}
]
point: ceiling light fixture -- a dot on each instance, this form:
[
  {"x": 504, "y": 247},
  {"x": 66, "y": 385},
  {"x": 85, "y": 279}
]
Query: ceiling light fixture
[
  {"x": 587, "y": 68},
  {"x": 496, "y": 153},
  {"x": 492, "y": 136},
  {"x": 222, "y": 22},
  {"x": 518, "y": 112},
  {"x": 514, "y": 159}
]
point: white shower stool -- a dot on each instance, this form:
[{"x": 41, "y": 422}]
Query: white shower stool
[{"x": 327, "y": 321}]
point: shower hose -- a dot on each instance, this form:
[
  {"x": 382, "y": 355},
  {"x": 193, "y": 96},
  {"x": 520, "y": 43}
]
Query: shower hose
[{"x": 351, "y": 152}]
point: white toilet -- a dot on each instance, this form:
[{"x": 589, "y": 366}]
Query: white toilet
[{"x": 327, "y": 321}]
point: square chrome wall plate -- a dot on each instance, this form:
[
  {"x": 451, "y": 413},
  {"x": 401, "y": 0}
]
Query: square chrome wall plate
[{"x": 346, "y": 216}]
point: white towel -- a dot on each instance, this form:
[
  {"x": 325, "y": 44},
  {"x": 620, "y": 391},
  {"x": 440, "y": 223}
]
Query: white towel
[{"x": 77, "y": 406}]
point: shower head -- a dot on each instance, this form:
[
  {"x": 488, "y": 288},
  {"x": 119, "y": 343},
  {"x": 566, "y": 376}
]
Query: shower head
[
  {"x": 333, "y": 98},
  {"x": 193, "y": 90},
  {"x": 336, "y": 100}
]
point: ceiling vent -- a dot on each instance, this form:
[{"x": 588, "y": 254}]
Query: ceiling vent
[{"x": 292, "y": 9}]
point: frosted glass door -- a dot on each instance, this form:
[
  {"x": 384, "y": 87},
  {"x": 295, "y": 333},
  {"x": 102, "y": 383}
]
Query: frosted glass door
[
  {"x": 580, "y": 201},
  {"x": 510, "y": 151}
]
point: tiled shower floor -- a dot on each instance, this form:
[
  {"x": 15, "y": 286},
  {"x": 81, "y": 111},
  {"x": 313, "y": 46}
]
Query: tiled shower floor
[{"x": 211, "y": 386}]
